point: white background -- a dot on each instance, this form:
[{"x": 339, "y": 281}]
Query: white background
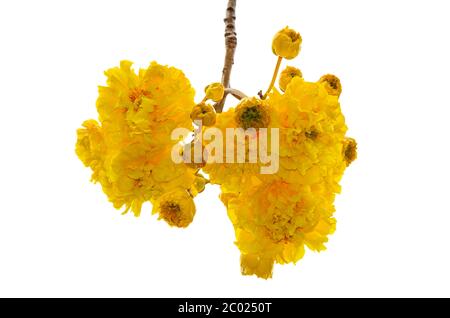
[{"x": 60, "y": 237}]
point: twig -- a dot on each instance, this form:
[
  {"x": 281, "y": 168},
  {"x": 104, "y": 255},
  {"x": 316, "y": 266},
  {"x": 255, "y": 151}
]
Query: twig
[
  {"x": 230, "y": 46},
  {"x": 235, "y": 92}
]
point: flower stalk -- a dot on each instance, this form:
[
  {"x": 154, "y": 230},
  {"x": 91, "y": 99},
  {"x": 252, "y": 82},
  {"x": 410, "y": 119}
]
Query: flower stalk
[
  {"x": 274, "y": 77},
  {"x": 235, "y": 92}
]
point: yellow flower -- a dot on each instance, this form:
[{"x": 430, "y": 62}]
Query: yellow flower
[
  {"x": 287, "y": 75},
  {"x": 129, "y": 151},
  {"x": 332, "y": 84},
  {"x": 177, "y": 208},
  {"x": 214, "y": 91},
  {"x": 286, "y": 43},
  {"x": 349, "y": 150},
  {"x": 230, "y": 175},
  {"x": 90, "y": 146},
  {"x": 205, "y": 113},
  {"x": 275, "y": 221},
  {"x": 275, "y": 216},
  {"x": 311, "y": 132},
  {"x": 150, "y": 103},
  {"x": 252, "y": 113},
  {"x": 312, "y": 129}
]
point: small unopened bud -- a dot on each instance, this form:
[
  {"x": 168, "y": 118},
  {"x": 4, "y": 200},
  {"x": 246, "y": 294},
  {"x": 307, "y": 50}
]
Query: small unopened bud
[
  {"x": 214, "y": 92},
  {"x": 349, "y": 150},
  {"x": 198, "y": 185},
  {"x": 205, "y": 113},
  {"x": 286, "y": 43},
  {"x": 287, "y": 75},
  {"x": 332, "y": 84}
]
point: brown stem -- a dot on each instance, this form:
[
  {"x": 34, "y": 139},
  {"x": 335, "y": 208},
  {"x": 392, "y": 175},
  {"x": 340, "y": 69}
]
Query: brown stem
[
  {"x": 235, "y": 92},
  {"x": 230, "y": 46}
]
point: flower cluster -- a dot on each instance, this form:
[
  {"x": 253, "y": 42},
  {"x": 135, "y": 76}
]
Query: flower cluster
[
  {"x": 276, "y": 215},
  {"x": 129, "y": 148}
]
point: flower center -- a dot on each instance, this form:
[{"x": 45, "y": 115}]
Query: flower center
[
  {"x": 281, "y": 228},
  {"x": 135, "y": 96},
  {"x": 312, "y": 133},
  {"x": 294, "y": 35},
  {"x": 251, "y": 114},
  {"x": 170, "y": 207},
  {"x": 170, "y": 211},
  {"x": 253, "y": 117},
  {"x": 333, "y": 83}
]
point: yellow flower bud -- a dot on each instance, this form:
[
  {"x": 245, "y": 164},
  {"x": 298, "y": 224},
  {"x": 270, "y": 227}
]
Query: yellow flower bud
[
  {"x": 199, "y": 185},
  {"x": 332, "y": 84},
  {"x": 252, "y": 113},
  {"x": 287, "y": 75},
  {"x": 349, "y": 150},
  {"x": 214, "y": 91},
  {"x": 205, "y": 113},
  {"x": 312, "y": 133},
  {"x": 177, "y": 208},
  {"x": 286, "y": 43}
]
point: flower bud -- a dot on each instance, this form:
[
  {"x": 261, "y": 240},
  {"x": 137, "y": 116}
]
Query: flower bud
[
  {"x": 177, "y": 208},
  {"x": 287, "y": 75},
  {"x": 199, "y": 184},
  {"x": 214, "y": 91},
  {"x": 205, "y": 113},
  {"x": 286, "y": 43},
  {"x": 332, "y": 84},
  {"x": 349, "y": 150}
]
